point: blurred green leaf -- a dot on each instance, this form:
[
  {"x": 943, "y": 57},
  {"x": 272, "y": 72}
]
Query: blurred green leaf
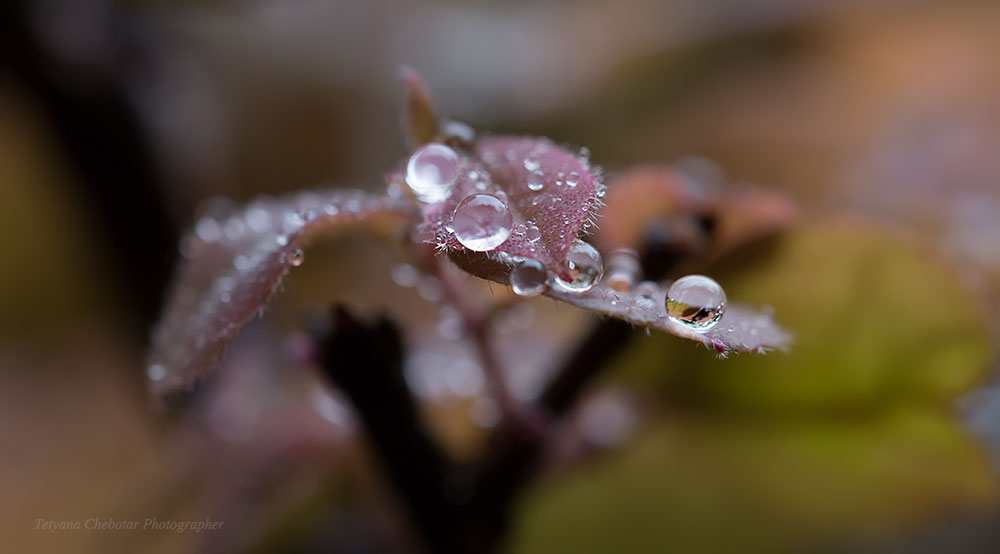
[
  {"x": 732, "y": 485},
  {"x": 877, "y": 320},
  {"x": 847, "y": 436}
]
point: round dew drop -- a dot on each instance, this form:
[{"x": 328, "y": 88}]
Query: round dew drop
[
  {"x": 584, "y": 265},
  {"x": 696, "y": 301},
  {"x": 431, "y": 172},
  {"x": 296, "y": 257},
  {"x": 528, "y": 278},
  {"x": 481, "y": 222}
]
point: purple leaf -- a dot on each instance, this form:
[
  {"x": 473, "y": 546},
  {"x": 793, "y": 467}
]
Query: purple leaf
[
  {"x": 234, "y": 264},
  {"x": 547, "y": 189},
  {"x": 740, "y": 330}
]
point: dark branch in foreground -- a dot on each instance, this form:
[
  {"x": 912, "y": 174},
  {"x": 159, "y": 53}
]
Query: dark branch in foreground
[{"x": 365, "y": 359}]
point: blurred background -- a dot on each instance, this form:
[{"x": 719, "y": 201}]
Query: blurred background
[{"x": 878, "y": 432}]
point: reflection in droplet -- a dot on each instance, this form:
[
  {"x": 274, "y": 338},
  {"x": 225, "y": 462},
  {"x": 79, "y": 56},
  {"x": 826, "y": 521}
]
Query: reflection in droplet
[
  {"x": 696, "y": 301},
  {"x": 431, "y": 172},
  {"x": 528, "y": 278},
  {"x": 482, "y": 222},
  {"x": 533, "y": 233},
  {"x": 584, "y": 266}
]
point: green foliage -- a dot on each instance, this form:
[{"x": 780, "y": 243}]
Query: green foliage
[{"x": 848, "y": 435}]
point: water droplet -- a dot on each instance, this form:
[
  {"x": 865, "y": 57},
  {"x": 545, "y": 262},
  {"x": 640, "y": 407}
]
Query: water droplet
[
  {"x": 258, "y": 219},
  {"x": 533, "y": 233},
  {"x": 459, "y": 134},
  {"x": 535, "y": 184},
  {"x": 242, "y": 263},
  {"x": 482, "y": 222},
  {"x": 584, "y": 265},
  {"x": 296, "y": 257},
  {"x": 696, "y": 301},
  {"x": 405, "y": 275},
  {"x": 208, "y": 229},
  {"x": 431, "y": 172},
  {"x": 573, "y": 179},
  {"x": 623, "y": 267},
  {"x": 528, "y": 278},
  {"x": 520, "y": 229},
  {"x": 156, "y": 372},
  {"x": 647, "y": 289},
  {"x": 531, "y": 163}
]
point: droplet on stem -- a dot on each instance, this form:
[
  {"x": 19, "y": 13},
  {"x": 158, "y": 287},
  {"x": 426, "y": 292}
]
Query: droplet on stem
[
  {"x": 583, "y": 265},
  {"x": 431, "y": 172},
  {"x": 482, "y": 222},
  {"x": 696, "y": 301}
]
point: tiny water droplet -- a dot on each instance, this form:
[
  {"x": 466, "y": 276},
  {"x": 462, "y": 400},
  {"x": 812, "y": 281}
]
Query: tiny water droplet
[
  {"x": 405, "y": 275},
  {"x": 156, "y": 372},
  {"x": 573, "y": 179},
  {"x": 533, "y": 233},
  {"x": 584, "y": 265},
  {"x": 482, "y": 222},
  {"x": 431, "y": 172},
  {"x": 520, "y": 229},
  {"x": 535, "y": 184},
  {"x": 696, "y": 301},
  {"x": 531, "y": 163},
  {"x": 296, "y": 257},
  {"x": 208, "y": 229},
  {"x": 528, "y": 278}
]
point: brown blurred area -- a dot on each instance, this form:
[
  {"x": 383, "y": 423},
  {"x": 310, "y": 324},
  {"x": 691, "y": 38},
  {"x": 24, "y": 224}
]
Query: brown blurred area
[{"x": 118, "y": 119}]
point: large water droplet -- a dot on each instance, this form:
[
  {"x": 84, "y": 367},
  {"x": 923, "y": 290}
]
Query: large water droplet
[
  {"x": 535, "y": 184},
  {"x": 297, "y": 257},
  {"x": 528, "y": 278},
  {"x": 584, "y": 265},
  {"x": 432, "y": 171},
  {"x": 696, "y": 301},
  {"x": 481, "y": 222}
]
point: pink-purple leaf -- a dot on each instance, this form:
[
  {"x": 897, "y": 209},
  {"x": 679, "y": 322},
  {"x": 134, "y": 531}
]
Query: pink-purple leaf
[
  {"x": 740, "y": 329},
  {"x": 552, "y": 194},
  {"x": 235, "y": 263}
]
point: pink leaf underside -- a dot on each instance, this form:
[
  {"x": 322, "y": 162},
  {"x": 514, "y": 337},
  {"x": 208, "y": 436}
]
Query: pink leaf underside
[
  {"x": 741, "y": 329},
  {"x": 234, "y": 264},
  {"x": 497, "y": 165}
]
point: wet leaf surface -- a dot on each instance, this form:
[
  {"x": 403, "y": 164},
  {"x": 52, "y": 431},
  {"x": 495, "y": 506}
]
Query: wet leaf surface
[
  {"x": 234, "y": 264},
  {"x": 505, "y": 167}
]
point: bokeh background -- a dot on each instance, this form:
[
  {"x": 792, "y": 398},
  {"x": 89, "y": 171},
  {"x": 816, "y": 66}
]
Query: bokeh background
[{"x": 878, "y": 432}]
